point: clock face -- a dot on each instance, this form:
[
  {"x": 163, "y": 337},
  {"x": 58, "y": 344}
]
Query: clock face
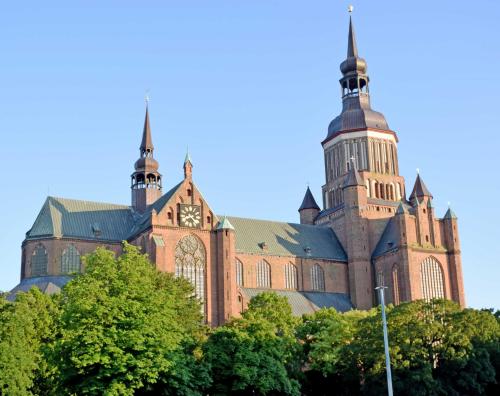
[{"x": 190, "y": 215}]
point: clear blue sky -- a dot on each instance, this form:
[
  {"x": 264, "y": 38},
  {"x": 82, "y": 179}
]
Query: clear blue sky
[{"x": 250, "y": 86}]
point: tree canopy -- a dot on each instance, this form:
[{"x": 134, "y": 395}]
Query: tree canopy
[{"x": 124, "y": 328}]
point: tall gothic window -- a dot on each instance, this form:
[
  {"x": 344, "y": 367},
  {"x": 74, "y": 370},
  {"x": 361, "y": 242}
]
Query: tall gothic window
[
  {"x": 190, "y": 263},
  {"x": 39, "y": 261},
  {"x": 263, "y": 274},
  {"x": 395, "y": 285},
  {"x": 317, "y": 278},
  {"x": 290, "y": 276},
  {"x": 239, "y": 272},
  {"x": 70, "y": 260},
  {"x": 432, "y": 279}
]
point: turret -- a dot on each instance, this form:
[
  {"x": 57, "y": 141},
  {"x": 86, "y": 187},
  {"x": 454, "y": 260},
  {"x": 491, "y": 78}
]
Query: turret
[
  {"x": 452, "y": 241},
  {"x": 357, "y": 246},
  {"x": 227, "y": 296},
  {"x": 309, "y": 209}
]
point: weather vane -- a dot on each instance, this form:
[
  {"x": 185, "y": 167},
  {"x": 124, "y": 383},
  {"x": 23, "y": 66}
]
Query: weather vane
[
  {"x": 350, "y": 9},
  {"x": 146, "y": 97},
  {"x": 418, "y": 171}
]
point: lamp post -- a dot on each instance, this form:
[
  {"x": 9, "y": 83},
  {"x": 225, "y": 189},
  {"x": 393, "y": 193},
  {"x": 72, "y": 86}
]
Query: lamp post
[{"x": 380, "y": 290}]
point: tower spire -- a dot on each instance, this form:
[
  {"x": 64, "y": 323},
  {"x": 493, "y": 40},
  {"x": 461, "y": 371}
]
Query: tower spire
[
  {"x": 147, "y": 146},
  {"x": 146, "y": 180},
  {"x": 352, "y": 48}
]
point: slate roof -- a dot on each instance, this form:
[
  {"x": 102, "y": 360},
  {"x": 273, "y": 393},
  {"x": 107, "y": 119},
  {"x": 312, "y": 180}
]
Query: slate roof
[
  {"x": 450, "y": 214},
  {"x": 389, "y": 239},
  {"x": 286, "y": 239},
  {"x": 47, "y": 284},
  {"x": 308, "y": 302},
  {"x": 420, "y": 189},
  {"x": 308, "y": 202},
  {"x": 61, "y": 217}
]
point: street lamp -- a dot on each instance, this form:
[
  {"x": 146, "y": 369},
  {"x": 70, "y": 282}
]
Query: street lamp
[{"x": 380, "y": 290}]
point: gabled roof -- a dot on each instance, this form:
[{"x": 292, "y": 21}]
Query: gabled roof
[
  {"x": 419, "y": 189},
  {"x": 144, "y": 222},
  {"x": 286, "y": 239},
  {"x": 61, "y": 217},
  {"x": 308, "y": 202},
  {"x": 389, "y": 239},
  {"x": 307, "y": 302}
]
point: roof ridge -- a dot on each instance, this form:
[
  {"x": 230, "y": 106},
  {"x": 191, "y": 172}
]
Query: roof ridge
[
  {"x": 275, "y": 221},
  {"x": 88, "y": 201}
]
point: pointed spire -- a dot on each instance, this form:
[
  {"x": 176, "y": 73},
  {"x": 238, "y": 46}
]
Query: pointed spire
[
  {"x": 147, "y": 141},
  {"x": 353, "y": 177},
  {"x": 188, "y": 157},
  {"x": 224, "y": 224},
  {"x": 352, "y": 48},
  {"x": 308, "y": 202},
  {"x": 420, "y": 189},
  {"x": 188, "y": 166},
  {"x": 450, "y": 214}
]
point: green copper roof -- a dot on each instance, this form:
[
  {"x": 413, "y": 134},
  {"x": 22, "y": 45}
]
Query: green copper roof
[
  {"x": 68, "y": 218},
  {"x": 224, "y": 224},
  {"x": 307, "y": 302},
  {"x": 450, "y": 214},
  {"x": 286, "y": 239}
]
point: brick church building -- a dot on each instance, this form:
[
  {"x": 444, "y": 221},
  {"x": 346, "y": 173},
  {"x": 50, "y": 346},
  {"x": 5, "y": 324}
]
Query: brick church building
[{"x": 367, "y": 234}]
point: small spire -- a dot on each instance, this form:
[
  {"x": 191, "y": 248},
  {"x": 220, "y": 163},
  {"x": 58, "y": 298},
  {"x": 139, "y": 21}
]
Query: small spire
[
  {"x": 401, "y": 209},
  {"x": 450, "y": 214},
  {"x": 420, "y": 189},
  {"x": 188, "y": 157},
  {"x": 352, "y": 48},
  {"x": 147, "y": 141},
  {"x": 353, "y": 178},
  {"x": 224, "y": 224},
  {"x": 309, "y": 202}
]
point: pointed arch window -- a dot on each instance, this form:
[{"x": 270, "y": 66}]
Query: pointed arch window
[
  {"x": 190, "y": 263},
  {"x": 239, "y": 272},
  {"x": 263, "y": 274},
  {"x": 317, "y": 278},
  {"x": 39, "y": 261},
  {"x": 432, "y": 281},
  {"x": 70, "y": 260},
  {"x": 290, "y": 276},
  {"x": 395, "y": 285}
]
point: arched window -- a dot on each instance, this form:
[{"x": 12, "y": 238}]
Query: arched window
[
  {"x": 239, "y": 273},
  {"x": 290, "y": 276},
  {"x": 317, "y": 278},
  {"x": 395, "y": 285},
  {"x": 39, "y": 261},
  {"x": 432, "y": 279},
  {"x": 263, "y": 274},
  {"x": 70, "y": 260},
  {"x": 190, "y": 263}
]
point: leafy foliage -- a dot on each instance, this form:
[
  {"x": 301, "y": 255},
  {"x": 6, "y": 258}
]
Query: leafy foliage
[
  {"x": 123, "y": 325},
  {"x": 123, "y": 328}
]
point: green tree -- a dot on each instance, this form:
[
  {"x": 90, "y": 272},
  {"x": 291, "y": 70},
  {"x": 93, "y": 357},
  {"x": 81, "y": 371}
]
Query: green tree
[
  {"x": 26, "y": 327},
  {"x": 124, "y": 327},
  {"x": 330, "y": 366},
  {"x": 256, "y": 354}
]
